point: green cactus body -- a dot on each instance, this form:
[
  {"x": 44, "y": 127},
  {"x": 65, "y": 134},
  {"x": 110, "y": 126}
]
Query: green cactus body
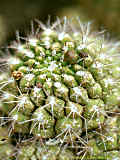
[{"x": 61, "y": 89}]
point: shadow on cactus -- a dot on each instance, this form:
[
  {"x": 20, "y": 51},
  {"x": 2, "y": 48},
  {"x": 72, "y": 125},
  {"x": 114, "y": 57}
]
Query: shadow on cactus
[{"x": 60, "y": 94}]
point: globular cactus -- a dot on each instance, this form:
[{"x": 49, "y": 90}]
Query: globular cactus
[{"x": 60, "y": 95}]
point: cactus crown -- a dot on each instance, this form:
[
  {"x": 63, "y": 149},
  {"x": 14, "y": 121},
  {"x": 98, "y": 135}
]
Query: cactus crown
[{"x": 62, "y": 89}]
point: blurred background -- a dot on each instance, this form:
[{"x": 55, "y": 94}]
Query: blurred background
[{"x": 16, "y": 14}]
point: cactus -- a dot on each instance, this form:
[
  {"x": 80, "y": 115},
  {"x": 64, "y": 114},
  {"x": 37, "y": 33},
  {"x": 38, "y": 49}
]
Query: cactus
[{"x": 60, "y": 95}]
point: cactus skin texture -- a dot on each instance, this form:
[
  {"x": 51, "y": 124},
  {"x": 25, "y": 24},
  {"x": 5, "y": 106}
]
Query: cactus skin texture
[{"x": 60, "y": 95}]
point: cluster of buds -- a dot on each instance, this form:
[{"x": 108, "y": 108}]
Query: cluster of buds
[{"x": 61, "y": 89}]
